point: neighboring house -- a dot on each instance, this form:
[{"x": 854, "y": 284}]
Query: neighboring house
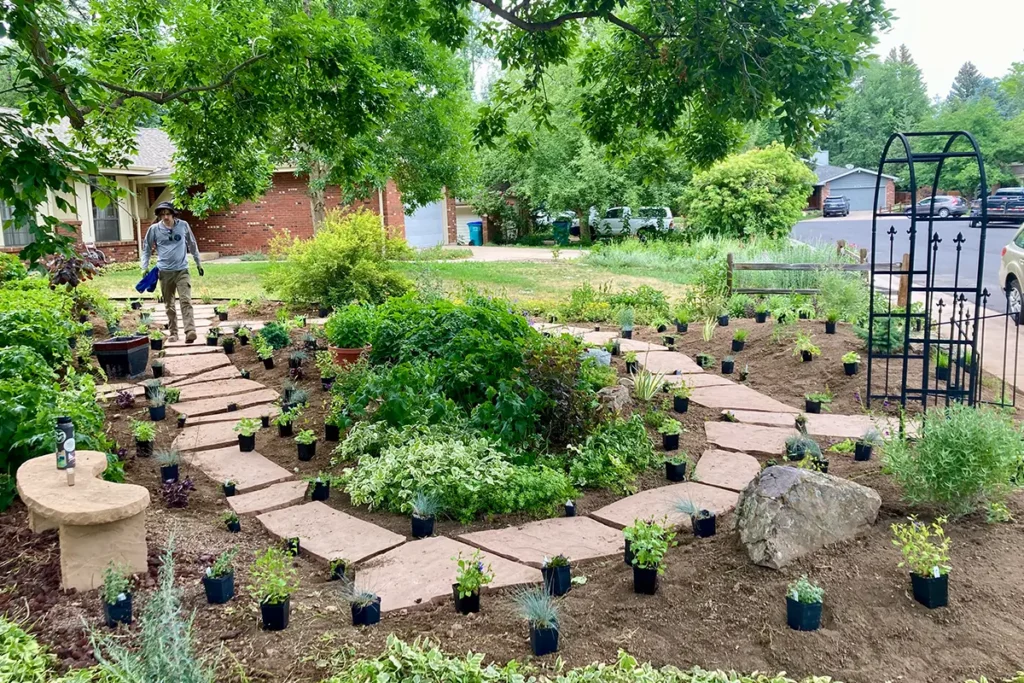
[
  {"x": 857, "y": 184},
  {"x": 118, "y": 229}
]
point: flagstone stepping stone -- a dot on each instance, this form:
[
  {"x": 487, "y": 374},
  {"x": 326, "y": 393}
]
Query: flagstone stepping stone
[
  {"x": 133, "y": 389},
  {"x": 320, "y": 322},
  {"x": 254, "y": 325},
  {"x": 218, "y": 387},
  {"x": 114, "y": 387},
  {"x": 205, "y": 436},
  {"x": 236, "y": 415},
  {"x": 826, "y": 425},
  {"x": 726, "y": 470},
  {"x": 226, "y": 372},
  {"x": 195, "y": 348},
  {"x": 421, "y": 572},
  {"x": 327, "y": 534},
  {"x": 748, "y": 438},
  {"x": 219, "y": 404},
  {"x": 704, "y": 379},
  {"x": 578, "y": 538},
  {"x": 200, "y": 338},
  {"x": 249, "y": 471},
  {"x": 738, "y": 397},
  {"x": 638, "y": 346},
  {"x": 661, "y": 502},
  {"x": 667, "y": 362},
  {"x": 184, "y": 366},
  {"x": 273, "y": 497},
  {"x": 599, "y": 338},
  {"x": 557, "y": 329}
]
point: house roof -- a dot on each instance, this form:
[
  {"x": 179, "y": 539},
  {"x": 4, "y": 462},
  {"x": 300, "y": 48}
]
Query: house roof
[{"x": 827, "y": 173}]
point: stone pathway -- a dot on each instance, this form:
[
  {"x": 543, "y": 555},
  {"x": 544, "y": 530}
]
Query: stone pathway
[
  {"x": 726, "y": 470},
  {"x": 578, "y": 538},
  {"x": 258, "y": 410},
  {"x": 206, "y": 436},
  {"x": 826, "y": 425},
  {"x": 268, "y": 499},
  {"x": 668, "y": 363},
  {"x": 219, "y": 387},
  {"x": 327, "y": 534},
  {"x": 250, "y": 471},
  {"x": 747, "y": 438},
  {"x": 661, "y": 502},
  {"x": 225, "y": 372},
  {"x": 184, "y": 365},
  {"x": 219, "y": 404},
  {"x": 638, "y": 346},
  {"x": 740, "y": 397}
]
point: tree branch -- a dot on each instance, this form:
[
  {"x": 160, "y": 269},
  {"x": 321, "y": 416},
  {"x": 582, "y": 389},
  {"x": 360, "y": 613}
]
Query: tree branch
[{"x": 44, "y": 61}]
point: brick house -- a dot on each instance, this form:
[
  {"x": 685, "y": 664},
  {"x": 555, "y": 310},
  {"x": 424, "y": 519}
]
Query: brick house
[
  {"x": 856, "y": 184},
  {"x": 118, "y": 229}
]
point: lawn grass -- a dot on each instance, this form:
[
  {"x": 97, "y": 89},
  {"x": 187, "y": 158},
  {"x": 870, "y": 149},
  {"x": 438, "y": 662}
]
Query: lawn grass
[{"x": 221, "y": 281}]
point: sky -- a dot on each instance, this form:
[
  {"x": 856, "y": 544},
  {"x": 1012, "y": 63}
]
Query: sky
[{"x": 943, "y": 34}]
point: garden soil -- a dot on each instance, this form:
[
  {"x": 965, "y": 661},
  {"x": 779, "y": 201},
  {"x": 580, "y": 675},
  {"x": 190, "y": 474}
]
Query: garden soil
[{"x": 713, "y": 609}]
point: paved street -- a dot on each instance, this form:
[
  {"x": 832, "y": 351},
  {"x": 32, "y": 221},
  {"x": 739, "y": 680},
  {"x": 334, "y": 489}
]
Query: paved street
[{"x": 856, "y": 229}]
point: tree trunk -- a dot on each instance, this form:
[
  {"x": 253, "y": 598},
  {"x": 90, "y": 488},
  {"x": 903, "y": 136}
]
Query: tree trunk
[
  {"x": 585, "y": 237},
  {"x": 316, "y": 188}
]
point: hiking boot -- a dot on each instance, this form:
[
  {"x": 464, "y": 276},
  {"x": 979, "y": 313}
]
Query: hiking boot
[
  {"x": 190, "y": 336},
  {"x": 173, "y": 338}
]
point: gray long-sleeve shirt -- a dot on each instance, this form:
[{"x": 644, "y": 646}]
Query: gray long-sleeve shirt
[{"x": 173, "y": 245}]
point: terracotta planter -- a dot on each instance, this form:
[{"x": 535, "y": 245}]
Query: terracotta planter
[{"x": 346, "y": 357}]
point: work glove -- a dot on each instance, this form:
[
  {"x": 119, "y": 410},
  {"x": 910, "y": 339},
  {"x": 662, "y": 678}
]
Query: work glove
[{"x": 201, "y": 272}]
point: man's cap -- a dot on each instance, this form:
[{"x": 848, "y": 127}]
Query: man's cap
[{"x": 166, "y": 205}]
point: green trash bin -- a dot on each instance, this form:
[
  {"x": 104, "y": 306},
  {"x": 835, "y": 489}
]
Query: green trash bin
[
  {"x": 561, "y": 230},
  {"x": 476, "y": 233}
]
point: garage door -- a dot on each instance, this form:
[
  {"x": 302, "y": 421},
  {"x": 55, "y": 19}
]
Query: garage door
[
  {"x": 425, "y": 227},
  {"x": 860, "y": 197}
]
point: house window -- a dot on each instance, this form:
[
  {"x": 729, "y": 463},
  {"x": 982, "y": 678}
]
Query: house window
[
  {"x": 14, "y": 235},
  {"x": 106, "y": 222}
]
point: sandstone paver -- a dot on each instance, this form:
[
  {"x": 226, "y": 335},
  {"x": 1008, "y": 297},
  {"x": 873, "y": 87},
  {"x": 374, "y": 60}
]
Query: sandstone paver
[
  {"x": 578, "y": 538},
  {"x": 225, "y": 372},
  {"x": 195, "y": 349},
  {"x": 668, "y": 362},
  {"x": 203, "y": 437},
  {"x": 219, "y": 387},
  {"x": 661, "y": 502},
  {"x": 183, "y": 366},
  {"x": 639, "y": 346},
  {"x": 726, "y": 470},
  {"x": 258, "y": 410},
  {"x": 747, "y": 438},
  {"x": 421, "y": 572},
  {"x": 704, "y": 379},
  {"x": 738, "y": 397},
  {"x": 273, "y": 497},
  {"x": 249, "y": 471},
  {"x": 328, "y": 534},
  {"x": 219, "y": 404},
  {"x": 827, "y": 425},
  {"x": 601, "y": 338}
]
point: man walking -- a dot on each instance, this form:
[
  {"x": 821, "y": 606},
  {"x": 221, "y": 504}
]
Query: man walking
[{"x": 173, "y": 240}]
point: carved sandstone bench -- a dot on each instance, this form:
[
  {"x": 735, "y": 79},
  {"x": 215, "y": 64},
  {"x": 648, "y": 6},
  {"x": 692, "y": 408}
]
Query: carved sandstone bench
[{"x": 98, "y": 521}]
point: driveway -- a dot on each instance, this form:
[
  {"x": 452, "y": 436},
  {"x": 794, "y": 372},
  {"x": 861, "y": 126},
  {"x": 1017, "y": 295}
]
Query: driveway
[
  {"x": 856, "y": 230},
  {"x": 521, "y": 253}
]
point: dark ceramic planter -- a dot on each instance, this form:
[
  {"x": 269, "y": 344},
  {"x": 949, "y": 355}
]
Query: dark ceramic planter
[
  {"x": 760, "y": 317},
  {"x": 851, "y": 369},
  {"x": 543, "y": 641},
  {"x": 168, "y": 473},
  {"x": 229, "y": 490},
  {"x": 645, "y": 581},
  {"x": 321, "y": 490},
  {"x": 806, "y": 356},
  {"x": 670, "y": 442},
  {"x": 118, "y": 613},
  {"x": 268, "y": 363},
  {"x": 723, "y": 321},
  {"x": 703, "y": 527},
  {"x": 422, "y": 527},
  {"x": 728, "y": 366},
  {"x": 570, "y": 509},
  {"x": 862, "y": 452},
  {"x": 470, "y": 603},
  {"x": 738, "y": 345},
  {"x": 156, "y": 344},
  {"x": 284, "y": 430},
  {"x": 675, "y": 472},
  {"x": 306, "y": 451},
  {"x": 366, "y": 615},
  {"x": 929, "y": 591},
  {"x": 557, "y": 580},
  {"x": 234, "y": 527},
  {"x": 220, "y": 589},
  {"x": 682, "y": 328},
  {"x": 332, "y": 432},
  {"x": 158, "y": 371},
  {"x": 275, "y": 617},
  {"x": 246, "y": 444},
  {"x": 830, "y": 328},
  {"x": 143, "y": 449},
  {"x": 803, "y": 616},
  {"x": 626, "y": 334},
  {"x": 812, "y": 407},
  {"x": 680, "y": 404}
]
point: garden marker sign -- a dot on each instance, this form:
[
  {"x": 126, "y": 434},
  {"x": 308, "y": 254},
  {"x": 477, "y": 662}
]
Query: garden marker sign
[{"x": 932, "y": 349}]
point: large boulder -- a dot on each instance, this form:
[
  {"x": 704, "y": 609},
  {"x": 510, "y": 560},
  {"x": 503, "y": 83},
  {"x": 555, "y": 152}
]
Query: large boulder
[
  {"x": 786, "y": 513},
  {"x": 614, "y": 399}
]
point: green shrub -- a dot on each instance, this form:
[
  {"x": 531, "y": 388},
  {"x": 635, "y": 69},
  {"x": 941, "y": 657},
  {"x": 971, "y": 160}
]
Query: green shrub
[
  {"x": 612, "y": 456},
  {"x": 11, "y": 268},
  {"x": 39, "y": 319},
  {"x": 601, "y": 304},
  {"x": 275, "y": 334},
  {"x": 962, "y": 459},
  {"x": 22, "y": 659},
  {"x": 758, "y": 193},
  {"x": 351, "y": 327},
  {"x": 347, "y": 260}
]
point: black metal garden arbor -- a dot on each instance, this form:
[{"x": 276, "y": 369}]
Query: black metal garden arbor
[{"x": 931, "y": 348}]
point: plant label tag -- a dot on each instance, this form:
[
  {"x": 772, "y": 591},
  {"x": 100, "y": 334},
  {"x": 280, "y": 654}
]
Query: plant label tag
[{"x": 935, "y": 572}]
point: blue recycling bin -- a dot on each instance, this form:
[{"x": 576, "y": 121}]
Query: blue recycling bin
[{"x": 476, "y": 233}]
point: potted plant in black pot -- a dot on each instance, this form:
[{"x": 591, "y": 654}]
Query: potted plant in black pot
[
  {"x": 322, "y": 311},
  {"x": 799, "y": 446},
  {"x": 151, "y": 386},
  {"x": 273, "y": 582},
  {"x": 739, "y": 340},
  {"x": 144, "y": 433},
  {"x": 158, "y": 369},
  {"x": 295, "y": 358},
  {"x": 942, "y": 366},
  {"x": 328, "y": 370},
  {"x": 557, "y": 574},
  {"x": 926, "y": 554},
  {"x": 702, "y": 521},
  {"x": 117, "y": 595},
  {"x": 851, "y": 363},
  {"x": 659, "y": 324},
  {"x": 332, "y": 423},
  {"x": 761, "y": 311},
  {"x": 723, "y": 318},
  {"x": 212, "y": 338},
  {"x": 681, "y": 397},
  {"x": 805, "y": 348},
  {"x": 319, "y": 486},
  {"x": 156, "y": 340},
  {"x": 831, "y": 318},
  {"x": 365, "y": 603},
  {"x": 219, "y": 578},
  {"x": 631, "y": 362},
  {"x": 305, "y": 440},
  {"x": 683, "y": 318},
  {"x": 648, "y": 543},
  {"x": 705, "y": 360},
  {"x": 626, "y": 317},
  {"x": 803, "y": 605},
  {"x": 728, "y": 365},
  {"x": 337, "y": 569},
  {"x": 136, "y": 304},
  {"x": 745, "y": 372},
  {"x": 182, "y": 418},
  {"x": 231, "y": 522},
  {"x": 675, "y": 468},
  {"x": 670, "y": 430},
  {"x": 817, "y": 401},
  {"x": 472, "y": 575},
  {"x": 865, "y": 444},
  {"x": 222, "y": 312},
  {"x": 229, "y": 345},
  {"x": 283, "y": 421},
  {"x": 229, "y": 487},
  {"x": 541, "y": 612},
  {"x": 570, "y": 508},
  {"x": 243, "y": 334},
  {"x": 264, "y": 351},
  {"x": 424, "y": 512},
  {"x": 669, "y": 341},
  {"x": 247, "y": 428},
  {"x": 168, "y": 459}
]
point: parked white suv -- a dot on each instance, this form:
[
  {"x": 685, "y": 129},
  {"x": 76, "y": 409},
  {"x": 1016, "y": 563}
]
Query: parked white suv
[{"x": 648, "y": 219}]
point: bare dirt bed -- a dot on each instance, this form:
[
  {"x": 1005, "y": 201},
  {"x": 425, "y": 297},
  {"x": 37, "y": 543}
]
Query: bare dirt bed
[{"x": 713, "y": 609}]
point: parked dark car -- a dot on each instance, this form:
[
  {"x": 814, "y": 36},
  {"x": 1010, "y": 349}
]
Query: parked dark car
[
  {"x": 1005, "y": 205},
  {"x": 835, "y": 205},
  {"x": 945, "y": 205}
]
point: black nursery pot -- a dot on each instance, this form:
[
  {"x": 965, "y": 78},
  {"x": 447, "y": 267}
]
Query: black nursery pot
[
  {"x": 211, "y": 341},
  {"x": 422, "y": 527},
  {"x": 631, "y": 367},
  {"x": 470, "y": 603},
  {"x": 306, "y": 451},
  {"x": 332, "y": 432},
  {"x": 168, "y": 473},
  {"x": 830, "y": 328},
  {"x": 570, "y": 509},
  {"x": 543, "y": 641},
  {"x": 323, "y": 312},
  {"x": 662, "y": 328},
  {"x": 803, "y": 616},
  {"x": 118, "y": 613},
  {"x": 143, "y": 449},
  {"x": 728, "y": 366},
  {"x": 723, "y": 321},
  {"x": 682, "y": 328},
  {"x": 806, "y": 356},
  {"x": 244, "y": 341},
  {"x": 291, "y": 546},
  {"x": 219, "y": 589},
  {"x": 321, "y": 490},
  {"x": 557, "y": 580},
  {"x": 942, "y": 373},
  {"x": 246, "y": 444},
  {"x": 626, "y": 334},
  {"x": 229, "y": 490},
  {"x": 862, "y": 452},
  {"x": 670, "y": 442},
  {"x": 181, "y": 421},
  {"x": 244, "y": 373},
  {"x": 156, "y": 344},
  {"x": 223, "y": 316},
  {"x": 337, "y": 572},
  {"x": 804, "y": 316},
  {"x": 157, "y": 413},
  {"x": 326, "y": 383},
  {"x": 311, "y": 344},
  {"x": 645, "y": 581},
  {"x": 738, "y": 345},
  {"x": 229, "y": 346},
  {"x": 264, "y": 421},
  {"x": 851, "y": 368},
  {"x": 680, "y": 404},
  {"x": 235, "y": 526},
  {"x": 930, "y": 591},
  {"x": 158, "y": 371},
  {"x": 294, "y": 363},
  {"x": 284, "y": 430},
  {"x": 813, "y": 407},
  {"x": 670, "y": 340},
  {"x": 760, "y": 317},
  {"x": 703, "y": 527},
  {"x": 627, "y": 555},
  {"x": 366, "y": 615},
  {"x": 268, "y": 363},
  {"x": 136, "y": 305},
  {"x": 675, "y": 472},
  {"x": 275, "y": 617}
]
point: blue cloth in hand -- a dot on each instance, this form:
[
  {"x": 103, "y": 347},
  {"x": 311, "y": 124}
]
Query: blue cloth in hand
[{"x": 148, "y": 281}]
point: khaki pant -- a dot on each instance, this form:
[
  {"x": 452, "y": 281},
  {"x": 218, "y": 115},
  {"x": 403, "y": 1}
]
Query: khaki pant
[{"x": 180, "y": 282}]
